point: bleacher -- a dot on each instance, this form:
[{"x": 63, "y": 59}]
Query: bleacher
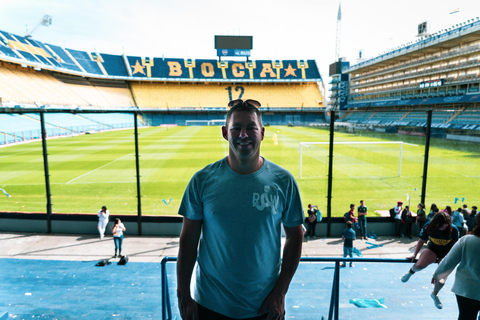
[
  {"x": 64, "y": 59},
  {"x": 23, "y": 85},
  {"x": 110, "y": 118},
  {"x": 15, "y": 127},
  {"x": 114, "y": 64},
  {"x": 14, "y": 122},
  {"x": 87, "y": 62},
  {"x": 63, "y": 120},
  {"x": 467, "y": 117},
  {"x": 217, "y": 95},
  {"x": 457, "y": 118}
]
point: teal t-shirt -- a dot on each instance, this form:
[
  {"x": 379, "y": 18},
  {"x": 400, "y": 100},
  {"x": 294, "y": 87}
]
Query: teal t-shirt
[{"x": 239, "y": 254}]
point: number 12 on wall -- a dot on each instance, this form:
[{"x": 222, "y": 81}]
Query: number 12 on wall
[{"x": 236, "y": 88}]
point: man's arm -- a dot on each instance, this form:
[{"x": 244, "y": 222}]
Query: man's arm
[
  {"x": 275, "y": 301},
  {"x": 187, "y": 256}
]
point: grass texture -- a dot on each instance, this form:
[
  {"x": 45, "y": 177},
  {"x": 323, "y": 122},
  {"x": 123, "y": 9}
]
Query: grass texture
[{"x": 89, "y": 171}]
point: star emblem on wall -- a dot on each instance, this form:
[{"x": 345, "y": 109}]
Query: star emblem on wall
[
  {"x": 138, "y": 68},
  {"x": 290, "y": 71}
]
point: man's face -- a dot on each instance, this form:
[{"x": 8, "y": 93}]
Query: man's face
[{"x": 244, "y": 134}]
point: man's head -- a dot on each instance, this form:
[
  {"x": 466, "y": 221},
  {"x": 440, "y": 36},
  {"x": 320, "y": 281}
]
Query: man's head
[
  {"x": 244, "y": 130},
  {"x": 248, "y": 105},
  {"x": 349, "y": 224},
  {"x": 352, "y": 206},
  {"x": 362, "y": 202}
]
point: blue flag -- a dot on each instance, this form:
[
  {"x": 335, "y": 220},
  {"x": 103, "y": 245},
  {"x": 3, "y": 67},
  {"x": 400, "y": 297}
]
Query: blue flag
[{"x": 5, "y": 193}]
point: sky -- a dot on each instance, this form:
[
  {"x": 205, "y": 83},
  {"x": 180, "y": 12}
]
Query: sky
[{"x": 281, "y": 29}]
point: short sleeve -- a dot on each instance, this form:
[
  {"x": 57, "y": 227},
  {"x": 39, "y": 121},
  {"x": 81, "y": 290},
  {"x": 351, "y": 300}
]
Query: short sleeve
[
  {"x": 293, "y": 214},
  {"x": 191, "y": 206}
]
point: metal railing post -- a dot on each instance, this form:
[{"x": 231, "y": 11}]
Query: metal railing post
[
  {"x": 425, "y": 160},
  {"x": 137, "y": 170},
  {"x": 46, "y": 171},
  {"x": 330, "y": 174}
]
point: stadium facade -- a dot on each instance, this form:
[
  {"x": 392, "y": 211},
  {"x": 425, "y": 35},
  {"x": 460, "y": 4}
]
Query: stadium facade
[
  {"x": 165, "y": 91},
  {"x": 438, "y": 72}
]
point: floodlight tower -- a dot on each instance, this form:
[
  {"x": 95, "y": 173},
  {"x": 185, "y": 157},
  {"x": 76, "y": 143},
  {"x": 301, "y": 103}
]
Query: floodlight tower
[
  {"x": 46, "y": 22},
  {"x": 339, "y": 31}
]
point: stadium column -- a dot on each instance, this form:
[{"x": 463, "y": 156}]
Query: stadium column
[
  {"x": 47, "y": 173},
  {"x": 137, "y": 165},
  {"x": 425, "y": 158},
  {"x": 330, "y": 171}
]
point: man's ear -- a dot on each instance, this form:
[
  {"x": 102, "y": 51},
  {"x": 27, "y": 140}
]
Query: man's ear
[
  {"x": 263, "y": 132},
  {"x": 225, "y": 132}
]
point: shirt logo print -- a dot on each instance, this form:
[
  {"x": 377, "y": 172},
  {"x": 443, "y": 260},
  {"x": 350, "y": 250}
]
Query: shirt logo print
[{"x": 265, "y": 200}]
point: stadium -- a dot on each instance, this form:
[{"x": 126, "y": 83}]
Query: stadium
[{"x": 81, "y": 129}]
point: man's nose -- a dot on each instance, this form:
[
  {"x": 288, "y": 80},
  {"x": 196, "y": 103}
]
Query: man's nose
[{"x": 243, "y": 133}]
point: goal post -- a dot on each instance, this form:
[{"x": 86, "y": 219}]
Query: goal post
[
  {"x": 213, "y": 122},
  {"x": 302, "y": 144},
  {"x": 217, "y": 122}
]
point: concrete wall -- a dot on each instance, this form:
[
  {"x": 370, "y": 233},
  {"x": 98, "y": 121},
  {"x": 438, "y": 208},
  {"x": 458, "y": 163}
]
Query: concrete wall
[
  {"x": 154, "y": 226},
  {"x": 463, "y": 138}
]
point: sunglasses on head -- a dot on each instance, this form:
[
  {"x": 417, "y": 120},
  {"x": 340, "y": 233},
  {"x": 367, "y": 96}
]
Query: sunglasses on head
[{"x": 239, "y": 102}]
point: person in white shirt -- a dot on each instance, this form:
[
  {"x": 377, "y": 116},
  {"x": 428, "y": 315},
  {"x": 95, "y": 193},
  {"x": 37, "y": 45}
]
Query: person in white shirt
[
  {"x": 103, "y": 215},
  {"x": 467, "y": 278},
  {"x": 117, "y": 230},
  {"x": 398, "y": 219}
]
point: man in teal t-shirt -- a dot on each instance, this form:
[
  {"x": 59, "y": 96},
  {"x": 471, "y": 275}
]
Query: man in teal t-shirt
[{"x": 233, "y": 213}]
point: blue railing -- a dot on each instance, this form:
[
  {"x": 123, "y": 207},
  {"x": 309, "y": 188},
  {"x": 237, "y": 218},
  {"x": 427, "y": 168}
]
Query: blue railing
[{"x": 334, "y": 299}]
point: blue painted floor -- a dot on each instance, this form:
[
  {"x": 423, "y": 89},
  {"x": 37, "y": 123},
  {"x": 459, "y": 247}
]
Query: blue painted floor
[{"x": 44, "y": 289}]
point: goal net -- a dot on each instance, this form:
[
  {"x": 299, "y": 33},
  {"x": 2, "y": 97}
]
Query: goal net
[
  {"x": 215, "y": 122},
  {"x": 320, "y": 150}
]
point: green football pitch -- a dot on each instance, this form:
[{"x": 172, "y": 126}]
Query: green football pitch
[{"x": 89, "y": 171}]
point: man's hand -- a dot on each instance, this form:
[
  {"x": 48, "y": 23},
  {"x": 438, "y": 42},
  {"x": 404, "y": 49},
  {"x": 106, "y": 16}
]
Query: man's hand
[
  {"x": 275, "y": 305},
  {"x": 188, "y": 308}
]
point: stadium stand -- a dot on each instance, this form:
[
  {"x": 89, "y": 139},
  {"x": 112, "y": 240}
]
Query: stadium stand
[
  {"x": 15, "y": 128},
  {"x": 112, "y": 119},
  {"x": 63, "y": 120},
  {"x": 217, "y": 95},
  {"x": 85, "y": 60},
  {"x": 12, "y": 122},
  {"x": 36, "y": 75},
  {"x": 25, "y": 85},
  {"x": 114, "y": 65},
  {"x": 433, "y": 73}
]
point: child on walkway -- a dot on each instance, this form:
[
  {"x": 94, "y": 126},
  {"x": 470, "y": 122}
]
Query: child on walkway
[{"x": 348, "y": 237}]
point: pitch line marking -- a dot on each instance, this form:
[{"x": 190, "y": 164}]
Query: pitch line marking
[{"x": 99, "y": 168}]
